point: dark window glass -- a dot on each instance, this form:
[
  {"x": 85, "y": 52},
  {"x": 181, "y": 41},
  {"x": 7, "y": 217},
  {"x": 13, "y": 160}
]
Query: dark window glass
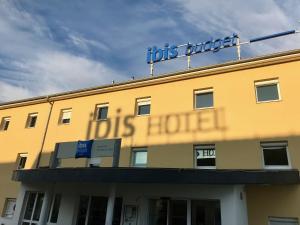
[
  {"x": 32, "y": 121},
  {"x": 97, "y": 213},
  {"x": 102, "y": 113},
  {"x": 267, "y": 92},
  {"x": 143, "y": 109},
  {"x": 38, "y": 207},
  {"x": 55, "y": 209},
  {"x": 276, "y": 156},
  {"x": 117, "y": 211},
  {"x": 178, "y": 212},
  {"x": 22, "y": 162},
  {"x": 29, "y": 206},
  {"x": 206, "y": 212},
  {"x": 66, "y": 120},
  {"x": 6, "y": 124},
  {"x": 158, "y": 212},
  {"x": 204, "y": 100},
  {"x": 82, "y": 211}
]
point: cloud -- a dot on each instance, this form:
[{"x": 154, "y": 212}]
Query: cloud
[
  {"x": 31, "y": 63},
  {"x": 249, "y": 19}
]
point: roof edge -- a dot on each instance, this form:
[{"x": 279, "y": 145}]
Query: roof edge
[{"x": 265, "y": 60}]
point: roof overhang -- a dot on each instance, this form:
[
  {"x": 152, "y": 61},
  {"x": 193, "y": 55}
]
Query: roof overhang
[{"x": 158, "y": 175}]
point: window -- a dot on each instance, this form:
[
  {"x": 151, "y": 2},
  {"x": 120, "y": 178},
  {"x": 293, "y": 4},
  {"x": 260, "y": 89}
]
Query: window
[
  {"x": 65, "y": 116},
  {"x": 9, "y": 208},
  {"x": 204, "y": 99},
  {"x": 21, "y": 160},
  {"x": 92, "y": 210},
  {"x": 32, "y": 209},
  {"x": 283, "y": 221},
  {"x": 139, "y": 157},
  {"x": 31, "y": 120},
  {"x": 275, "y": 155},
  {"x": 267, "y": 91},
  {"x": 101, "y": 111},
  {"x": 205, "y": 156},
  {"x": 143, "y": 106},
  {"x": 4, "y": 123},
  {"x": 53, "y": 215},
  {"x": 168, "y": 212}
]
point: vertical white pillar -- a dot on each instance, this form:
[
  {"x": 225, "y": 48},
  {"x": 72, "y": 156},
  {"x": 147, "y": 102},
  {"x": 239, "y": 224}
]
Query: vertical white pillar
[
  {"x": 19, "y": 205},
  {"x": 45, "y": 207},
  {"x": 110, "y": 205}
]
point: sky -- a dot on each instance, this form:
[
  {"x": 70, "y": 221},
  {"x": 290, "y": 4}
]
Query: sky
[{"x": 53, "y": 46}]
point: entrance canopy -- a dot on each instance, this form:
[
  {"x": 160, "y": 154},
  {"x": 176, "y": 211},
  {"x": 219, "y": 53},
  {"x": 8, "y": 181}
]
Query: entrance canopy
[{"x": 158, "y": 175}]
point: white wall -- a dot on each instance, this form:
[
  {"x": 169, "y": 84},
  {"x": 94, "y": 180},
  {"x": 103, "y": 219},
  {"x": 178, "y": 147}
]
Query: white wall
[{"x": 233, "y": 203}]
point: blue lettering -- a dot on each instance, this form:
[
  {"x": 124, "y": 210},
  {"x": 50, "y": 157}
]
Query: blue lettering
[
  {"x": 156, "y": 51},
  {"x": 217, "y": 45},
  {"x": 207, "y": 46},
  {"x": 198, "y": 48},
  {"x": 166, "y": 52},
  {"x": 234, "y": 39},
  {"x": 173, "y": 52},
  {"x": 226, "y": 42},
  {"x": 189, "y": 49},
  {"x": 149, "y": 53}
]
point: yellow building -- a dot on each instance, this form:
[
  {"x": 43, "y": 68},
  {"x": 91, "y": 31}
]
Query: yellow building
[{"x": 206, "y": 146}]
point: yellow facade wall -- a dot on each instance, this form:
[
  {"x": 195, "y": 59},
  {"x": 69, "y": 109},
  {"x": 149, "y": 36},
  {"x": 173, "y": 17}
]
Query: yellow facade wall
[{"x": 236, "y": 124}]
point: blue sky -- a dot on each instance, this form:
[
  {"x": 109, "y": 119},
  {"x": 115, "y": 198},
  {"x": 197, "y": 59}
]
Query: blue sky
[{"x": 51, "y": 46}]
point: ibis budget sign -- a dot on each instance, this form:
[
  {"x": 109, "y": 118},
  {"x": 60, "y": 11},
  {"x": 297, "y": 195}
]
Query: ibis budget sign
[{"x": 155, "y": 54}]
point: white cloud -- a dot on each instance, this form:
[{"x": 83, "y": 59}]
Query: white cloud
[
  {"x": 33, "y": 64},
  {"x": 249, "y": 19}
]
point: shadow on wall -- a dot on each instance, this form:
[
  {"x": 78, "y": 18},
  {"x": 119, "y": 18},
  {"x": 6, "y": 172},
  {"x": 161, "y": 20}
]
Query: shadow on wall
[{"x": 124, "y": 126}]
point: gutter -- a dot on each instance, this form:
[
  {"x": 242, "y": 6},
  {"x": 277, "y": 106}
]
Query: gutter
[{"x": 45, "y": 132}]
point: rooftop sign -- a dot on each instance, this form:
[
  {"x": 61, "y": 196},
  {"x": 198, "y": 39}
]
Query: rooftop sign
[{"x": 155, "y": 54}]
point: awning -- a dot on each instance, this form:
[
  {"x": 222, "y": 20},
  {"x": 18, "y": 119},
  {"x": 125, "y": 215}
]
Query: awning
[{"x": 157, "y": 175}]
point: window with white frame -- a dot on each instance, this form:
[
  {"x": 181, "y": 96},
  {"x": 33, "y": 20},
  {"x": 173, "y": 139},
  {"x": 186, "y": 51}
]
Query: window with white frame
[
  {"x": 283, "y": 221},
  {"x": 31, "y": 120},
  {"x": 143, "y": 106},
  {"x": 32, "y": 208},
  {"x": 21, "y": 160},
  {"x": 101, "y": 111},
  {"x": 9, "y": 208},
  {"x": 275, "y": 155},
  {"x": 205, "y": 156},
  {"x": 65, "y": 117},
  {"x": 139, "y": 157},
  {"x": 204, "y": 98},
  {"x": 267, "y": 91},
  {"x": 4, "y": 123}
]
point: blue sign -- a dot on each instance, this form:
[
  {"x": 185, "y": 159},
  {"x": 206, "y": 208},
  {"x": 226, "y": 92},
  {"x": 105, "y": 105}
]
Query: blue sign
[
  {"x": 155, "y": 54},
  {"x": 84, "y": 149}
]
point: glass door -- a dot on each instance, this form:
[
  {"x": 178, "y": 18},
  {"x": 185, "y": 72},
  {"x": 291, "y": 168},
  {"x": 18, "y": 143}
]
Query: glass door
[
  {"x": 92, "y": 210},
  {"x": 177, "y": 212},
  {"x": 206, "y": 212},
  {"x": 168, "y": 212},
  {"x": 33, "y": 207}
]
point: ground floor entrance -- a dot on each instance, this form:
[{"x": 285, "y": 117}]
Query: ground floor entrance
[{"x": 130, "y": 204}]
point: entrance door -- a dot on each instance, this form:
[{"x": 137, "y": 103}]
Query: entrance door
[
  {"x": 92, "y": 210},
  {"x": 206, "y": 212},
  {"x": 33, "y": 206},
  {"x": 177, "y": 212},
  {"x": 168, "y": 212}
]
